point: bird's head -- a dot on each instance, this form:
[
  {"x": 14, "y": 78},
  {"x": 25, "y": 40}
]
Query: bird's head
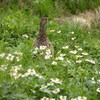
[{"x": 44, "y": 20}]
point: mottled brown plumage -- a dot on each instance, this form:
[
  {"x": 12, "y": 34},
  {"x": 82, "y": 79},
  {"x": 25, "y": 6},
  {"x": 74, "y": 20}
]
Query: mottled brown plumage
[{"x": 42, "y": 38}]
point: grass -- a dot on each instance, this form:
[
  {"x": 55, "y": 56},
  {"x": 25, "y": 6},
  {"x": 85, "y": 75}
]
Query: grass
[
  {"x": 25, "y": 75},
  {"x": 75, "y": 6},
  {"x": 49, "y": 8}
]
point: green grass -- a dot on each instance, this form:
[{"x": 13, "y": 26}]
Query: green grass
[
  {"x": 76, "y": 78},
  {"x": 75, "y": 6},
  {"x": 49, "y": 8}
]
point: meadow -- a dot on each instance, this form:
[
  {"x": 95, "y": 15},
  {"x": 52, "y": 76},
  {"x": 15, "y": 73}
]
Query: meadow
[{"x": 32, "y": 73}]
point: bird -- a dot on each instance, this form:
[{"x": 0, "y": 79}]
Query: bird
[{"x": 42, "y": 38}]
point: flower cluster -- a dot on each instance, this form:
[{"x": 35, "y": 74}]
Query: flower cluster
[
  {"x": 48, "y": 54},
  {"x": 85, "y": 53},
  {"x": 51, "y": 83},
  {"x": 35, "y": 50},
  {"x": 45, "y": 98},
  {"x": 63, "y": 97},
  {"x": 56, "y": 80},
  {"x": 91, "y": 61},
  {"x": 73, "y": 38},
  {"x": 65, "y": 47},
  {"x": 31, "y": 72},
  {"x": 80, "y": 98},
  {"x": 18, "y": 53},
  {"x": 60, "y": 57},
  {"x": 43, "y": 47},
  {"x": 43, "y": 50},
  {"x": 14, "y": 71},
  {"x": 78, "y": 61},
  {"x": 80, "y": 49},
  {"x": 10, "y": 57},
  {"x": 54, "y": 63},
  {"x": 53, "y": 80},
  {"x": 79, "y": 56},
  {"x": 3, "y": 67},
  {"x": 73, "y": 52}
]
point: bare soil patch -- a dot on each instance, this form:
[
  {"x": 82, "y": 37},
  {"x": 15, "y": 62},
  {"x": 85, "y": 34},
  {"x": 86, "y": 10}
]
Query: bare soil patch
[{"x": 86, "y": 18}]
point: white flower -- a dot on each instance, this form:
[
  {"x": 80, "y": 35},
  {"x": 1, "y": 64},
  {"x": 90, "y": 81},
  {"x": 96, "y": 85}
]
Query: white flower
[
  {"x": 97, "y": 72},
  {"x": 66, "y": 47},
  {"x": 34, "y": 52},
  {"x": 17, "y": 67},
  {"x": 62, "y": 55},
  {"x": 17, "y": 58},
  {"x": 36, "y": 48},
  {"x": 78, "y": 61},
  {"x": 73, "y": 38},
  {"x": 38, "y": 75},
  {"x": 43, "y": 47},
  {"x": 63, "y": 97},
  {"x": 51, "y": 99},
  {"x": 82, "y": 98},
  {"x": 60, "y": 58},
  {"x": 73, "y": 52},
  {"x": 98, "y": 89},
  {"x": 76, "y": 46},
  {"x": 14, "y": 70},
  {"x": 47, "y": 56},
  {"x": 68, "y": 61},
  {"x": 50, "y": 84},
  {"x": 2, "y": 55},
  {"x": 52, "y": 30},
  {"x": 79, "y": 56},
  {"x": 91, "y": 61},
  {"x": 58, "y": 31},
  {"x": 92, "y": 81},
  {"x": 48, "y": 51},
  {"x": 3, "y": 67},
  {"x": 41, "y": 53},
  {"x": 43, "y": 86},
  {"x": 80, "y": 49},
  {"x": 44, "y": 98},
  {"x": 25, "y": 74},
  {"x": 16, "y": 76},
  {"x": 84, "y": 53},
  {"x": 55, "y": 91},
  {"x": 72, "y": 32},
  {"x": 18, "y": 53},
  {"x": 92, "y": 78},
  {"x": 10, "y": 57},
  {"x": 56, "y": 80},
  {"x": 98, "y": 81},
  {"x": 31, "y": 71},
  {"x": 54, "y": 63}
]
